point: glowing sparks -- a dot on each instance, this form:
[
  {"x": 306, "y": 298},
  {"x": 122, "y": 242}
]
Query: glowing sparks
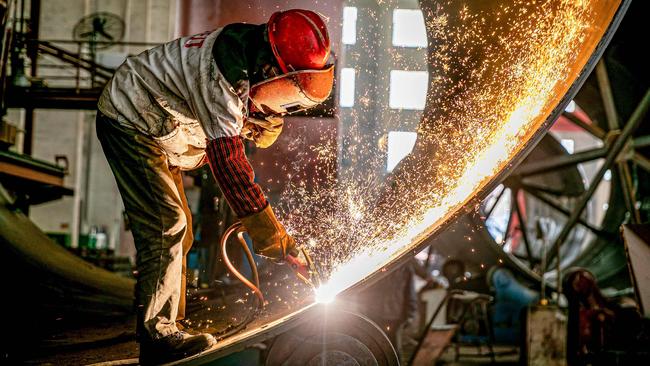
[
  {"x": 325, "y": 294},
  {"x": 496, "y": 71}
]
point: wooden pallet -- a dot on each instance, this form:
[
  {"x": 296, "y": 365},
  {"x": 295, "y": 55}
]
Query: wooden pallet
[{"x": 436, "y": 341}]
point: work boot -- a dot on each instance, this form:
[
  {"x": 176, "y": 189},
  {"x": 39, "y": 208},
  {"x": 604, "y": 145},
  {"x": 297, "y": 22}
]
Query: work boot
[{"x": 173, "y": 347}]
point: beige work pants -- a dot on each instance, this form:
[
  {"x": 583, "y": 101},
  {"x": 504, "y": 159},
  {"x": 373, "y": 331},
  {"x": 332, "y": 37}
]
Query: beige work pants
[{"x": 160, "y": 220}]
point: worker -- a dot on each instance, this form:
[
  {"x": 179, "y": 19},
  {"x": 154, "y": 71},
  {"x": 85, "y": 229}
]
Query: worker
[
  {"x": 182, "y": 104},
  {"x": 392, "y": 303}
]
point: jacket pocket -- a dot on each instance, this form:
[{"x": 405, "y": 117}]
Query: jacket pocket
[{"x": 184, "y": 145}]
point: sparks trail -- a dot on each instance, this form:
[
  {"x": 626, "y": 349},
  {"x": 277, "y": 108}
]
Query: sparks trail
[{"x": 495, "y": 69}]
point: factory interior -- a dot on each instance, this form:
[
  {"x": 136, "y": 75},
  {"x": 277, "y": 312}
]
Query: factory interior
[{"x": 445, "y": 182}]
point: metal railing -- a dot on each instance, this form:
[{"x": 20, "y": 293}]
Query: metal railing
[{"x": 75, "y": 60}]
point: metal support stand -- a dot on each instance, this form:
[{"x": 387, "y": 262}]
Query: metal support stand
[{"x": 614, "y": 150}]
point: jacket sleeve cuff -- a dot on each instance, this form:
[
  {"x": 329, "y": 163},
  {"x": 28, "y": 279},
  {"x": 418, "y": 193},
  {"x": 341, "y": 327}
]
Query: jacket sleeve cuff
[{"x": 235, "y": 175}]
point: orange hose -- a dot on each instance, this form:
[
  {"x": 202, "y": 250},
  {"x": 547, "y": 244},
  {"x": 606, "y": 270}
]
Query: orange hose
[{"x": 255, "y": 287}]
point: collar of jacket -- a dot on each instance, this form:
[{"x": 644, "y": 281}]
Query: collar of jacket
[{"x": 241, "y": 50}]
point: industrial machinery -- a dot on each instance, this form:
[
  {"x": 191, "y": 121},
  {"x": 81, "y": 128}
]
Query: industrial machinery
[{"x": 584, "y": 196}]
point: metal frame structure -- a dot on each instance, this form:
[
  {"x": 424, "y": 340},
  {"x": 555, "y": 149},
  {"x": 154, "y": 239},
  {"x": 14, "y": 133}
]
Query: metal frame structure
[
  {"x": 618, "y": 152},
  {"x": 620, "y": 139}
]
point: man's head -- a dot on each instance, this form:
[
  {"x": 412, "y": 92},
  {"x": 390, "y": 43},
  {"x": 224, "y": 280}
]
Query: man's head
[{"x": 301, "y": 46}]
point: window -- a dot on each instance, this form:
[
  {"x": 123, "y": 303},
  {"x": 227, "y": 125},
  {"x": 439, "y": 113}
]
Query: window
[
  {"x": 571, "y": 107},
  {"x": 346, "y": 93},
  {"x": 400, "y": 144},
  {"x": 349, "y": 25},
  {"x": 408, "y": 89},
  {"x": 568, "y": 144},
  {"x": 408, "y": 28}
]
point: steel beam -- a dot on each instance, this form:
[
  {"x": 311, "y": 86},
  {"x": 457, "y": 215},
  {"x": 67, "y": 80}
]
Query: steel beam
[
  {"x": 589, "y": 127},
  {"x": 642, "y": 161},
  {"x": 535, "y": 193},
  {"x": 616, "y": 147},
  {"x": 563, "y": 161},
  {"x": 522, "y": 227},
  {"x": 624, "y": 175},
  {"x": 547, "y": 165},
  {"x": 642, "y": 141}
]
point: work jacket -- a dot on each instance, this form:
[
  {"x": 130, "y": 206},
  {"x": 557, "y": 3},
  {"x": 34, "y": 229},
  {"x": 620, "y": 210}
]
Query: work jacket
[{"x": 176, "y": 94}]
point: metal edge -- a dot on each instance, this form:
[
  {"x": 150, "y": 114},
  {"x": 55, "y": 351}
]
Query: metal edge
[
  {"x": 514, "y": 162},
  {"x": 286, "y": 323}
]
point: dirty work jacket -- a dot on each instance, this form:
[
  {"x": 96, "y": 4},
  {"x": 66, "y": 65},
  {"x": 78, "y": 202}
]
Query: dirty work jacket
[{"x": 176, "y": 94}]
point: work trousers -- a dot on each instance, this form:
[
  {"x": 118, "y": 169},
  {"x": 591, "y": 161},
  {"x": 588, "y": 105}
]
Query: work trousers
[{"x": 160, "y": 220}]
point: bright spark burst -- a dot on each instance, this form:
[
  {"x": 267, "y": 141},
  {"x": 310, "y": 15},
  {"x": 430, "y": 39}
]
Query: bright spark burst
[{"x": 497, "y": 69}]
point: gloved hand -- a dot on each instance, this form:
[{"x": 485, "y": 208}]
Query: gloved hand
[
  {"x": 263, "y": 132},
  {"x": 270, "y": 239}
]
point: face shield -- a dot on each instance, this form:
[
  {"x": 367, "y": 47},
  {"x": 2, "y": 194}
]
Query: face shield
[{"x": 292, "y": 92}]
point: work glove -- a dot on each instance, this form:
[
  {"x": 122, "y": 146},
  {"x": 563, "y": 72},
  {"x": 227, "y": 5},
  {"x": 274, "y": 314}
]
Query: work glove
[
  {"x": 270, "y": 239},
  {"x": 262, "y": 131}
]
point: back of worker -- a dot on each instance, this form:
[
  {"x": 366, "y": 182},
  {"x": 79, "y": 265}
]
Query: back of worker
[{"x": 177, "y": 84}]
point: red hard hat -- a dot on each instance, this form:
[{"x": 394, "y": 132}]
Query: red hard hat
[{"x": 299, "y": 40}]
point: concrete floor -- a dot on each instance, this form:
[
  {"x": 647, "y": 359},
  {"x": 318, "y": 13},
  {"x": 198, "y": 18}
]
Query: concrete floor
[
  {"x": 505, "y": 355},
  {"x": 85, "y": 344}
]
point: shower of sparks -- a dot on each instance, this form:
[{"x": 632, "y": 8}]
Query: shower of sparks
[{"x": 495, "y": 71}]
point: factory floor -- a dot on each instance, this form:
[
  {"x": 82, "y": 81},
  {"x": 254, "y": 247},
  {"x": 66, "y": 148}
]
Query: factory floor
[
  {"x": 69, "y": 340},
  {"x": 468, "y": 354},
  {"x": 116, "y": 341},
  {"x": 76, "y": 344},
  {"x": 504, "y": 355}
]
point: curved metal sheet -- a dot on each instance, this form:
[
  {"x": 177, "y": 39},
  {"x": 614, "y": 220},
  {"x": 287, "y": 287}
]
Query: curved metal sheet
[
  {"x": 379, "y": 232},
  {"x": 45, "y": 264},
  {"x": 592, "y": 46}
]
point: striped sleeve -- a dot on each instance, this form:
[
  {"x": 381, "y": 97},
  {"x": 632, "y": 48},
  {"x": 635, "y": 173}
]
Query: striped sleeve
[{"x": 235, "y": 175}]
